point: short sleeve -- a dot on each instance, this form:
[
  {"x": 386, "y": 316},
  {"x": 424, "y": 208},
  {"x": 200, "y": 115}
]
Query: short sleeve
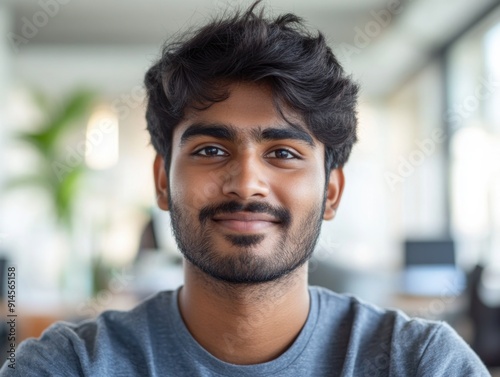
[
  {"x": 447, "y": 354},
  {"x": 51, "y": 355}
]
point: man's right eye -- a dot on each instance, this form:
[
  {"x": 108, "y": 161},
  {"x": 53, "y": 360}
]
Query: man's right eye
[{"x": 210, "y": 152}]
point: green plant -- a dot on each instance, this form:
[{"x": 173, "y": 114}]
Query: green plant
[{"x": 49, "y": 143}]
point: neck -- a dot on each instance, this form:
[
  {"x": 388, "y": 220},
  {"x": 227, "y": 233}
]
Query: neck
[{"x": 244, "y": 323}]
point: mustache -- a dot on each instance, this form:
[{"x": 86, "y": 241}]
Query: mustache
[{"x": 280, "y": 213}]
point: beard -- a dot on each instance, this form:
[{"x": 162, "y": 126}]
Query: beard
[{"x": 243, "y": 265}]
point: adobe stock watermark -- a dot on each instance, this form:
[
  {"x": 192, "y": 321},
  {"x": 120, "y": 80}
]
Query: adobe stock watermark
[
  {"x": 463, "y": 110},
  {"x": 102, "y": 299},
  {"x": 458, "y": 112},
  {"x": 75, "y": 155},
  {"x": 216, "y": 179},
  {"x": 437, "y": 306},
  {"x": 364, "y": 36},
  {"x": 122, "y": 107},
  {"x": 407, "y": 165},
  {"x": 31, "y": 26},
  {"x": 327, "y": 245},
  {"x": 247, "y": 328},
  {"x": 379, "y": 364},
  {"x": 326, "y": 248},
  {"x": 129, "y": 101},
  {"x": 434, "y": 310}
]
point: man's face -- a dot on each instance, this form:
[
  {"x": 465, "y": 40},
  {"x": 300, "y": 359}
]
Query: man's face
[{"x": 246, "y": 190}]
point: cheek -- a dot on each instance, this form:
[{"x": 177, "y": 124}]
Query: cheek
[
  {"x": 193, "y": 189},
  {"x": 301, "y": 192}
]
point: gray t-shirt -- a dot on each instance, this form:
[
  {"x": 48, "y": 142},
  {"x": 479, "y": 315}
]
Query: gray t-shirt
[{"x": 342, "y": 337}]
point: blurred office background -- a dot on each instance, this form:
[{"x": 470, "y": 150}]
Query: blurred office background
[{"x": 77, "y": 205}]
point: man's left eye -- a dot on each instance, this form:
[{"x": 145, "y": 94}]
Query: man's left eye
[{"x": 283, "y": 154}]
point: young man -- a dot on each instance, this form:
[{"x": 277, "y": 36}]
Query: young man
[{"x": 253, "y": 120}]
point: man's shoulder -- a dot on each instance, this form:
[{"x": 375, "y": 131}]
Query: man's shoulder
[
  {"x": 358, "y": 310},
  {"x": 372, "y": 321},
  {"x": 389, "y": 340},
  {"x": 116, "y": 324},
  {"x": 90, "y": 342}
]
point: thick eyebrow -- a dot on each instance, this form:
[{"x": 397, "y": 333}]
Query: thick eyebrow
[
  {"x": 229, "y": 133},
  {"x": 284, "y": 134},
  {"x": 215, "y": 130}
]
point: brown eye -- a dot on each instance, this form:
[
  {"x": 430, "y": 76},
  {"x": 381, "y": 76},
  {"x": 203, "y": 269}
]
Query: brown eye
[
  {"x": 210, "y": 152},
  {"x": 283, "y": 154}
]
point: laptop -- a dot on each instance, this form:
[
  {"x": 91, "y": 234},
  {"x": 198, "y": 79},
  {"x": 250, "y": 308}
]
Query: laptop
[{"x": 430, "y": 269}]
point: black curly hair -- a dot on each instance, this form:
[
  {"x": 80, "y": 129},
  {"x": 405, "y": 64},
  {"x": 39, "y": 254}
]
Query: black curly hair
[{"x": 246, "y": 46}]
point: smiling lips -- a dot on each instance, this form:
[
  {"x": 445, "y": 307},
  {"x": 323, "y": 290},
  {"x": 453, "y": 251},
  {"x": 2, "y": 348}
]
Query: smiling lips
[{"x": 245, "y": 222}]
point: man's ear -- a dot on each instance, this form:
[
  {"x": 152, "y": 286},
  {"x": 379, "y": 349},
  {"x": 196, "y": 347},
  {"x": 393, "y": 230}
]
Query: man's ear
[
  {"x": 161, "y": 183},
  {"x": 333, "y": 193}
]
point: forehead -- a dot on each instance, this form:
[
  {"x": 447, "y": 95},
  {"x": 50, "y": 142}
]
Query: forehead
[{"x": 249, "y": 109}]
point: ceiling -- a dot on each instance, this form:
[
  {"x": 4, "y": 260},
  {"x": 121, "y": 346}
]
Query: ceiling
[
  {"x": 150, "y": 21},
  {"x": 380, "y": 43}
]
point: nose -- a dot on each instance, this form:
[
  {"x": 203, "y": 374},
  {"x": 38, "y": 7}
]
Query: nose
[{"x": 246, "y": 178}]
